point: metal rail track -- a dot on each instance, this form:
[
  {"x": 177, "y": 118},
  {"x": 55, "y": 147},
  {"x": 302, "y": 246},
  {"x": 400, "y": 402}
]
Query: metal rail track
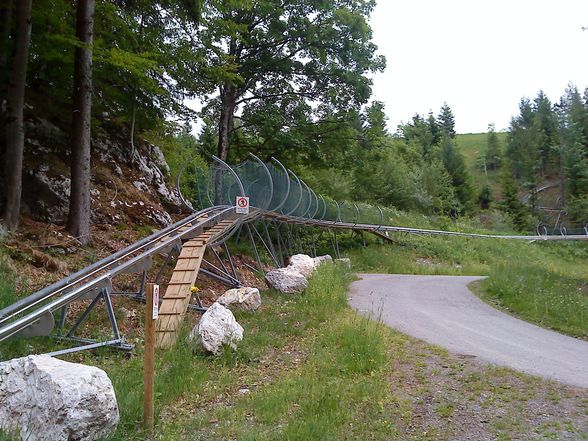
[
  {"x": 88, "y": 282},
  {"x": 34, "y": 314},
  {"x": 418, "y": 231}
]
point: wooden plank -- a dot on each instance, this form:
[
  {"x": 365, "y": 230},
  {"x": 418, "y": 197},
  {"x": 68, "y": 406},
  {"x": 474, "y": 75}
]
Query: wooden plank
[
  {"x": 174, "y": 304},
  {"x": 178, "y": 293}
]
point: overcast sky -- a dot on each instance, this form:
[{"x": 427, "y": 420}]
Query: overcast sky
[{"x": 481, "y": 57}]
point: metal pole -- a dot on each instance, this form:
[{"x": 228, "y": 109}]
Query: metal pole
[
  {"x": 255, "y": 248},
  {"x": 271, "y": 181},
  {"x": 300, "y": 198},
  {"x": 288, "y": 185}
]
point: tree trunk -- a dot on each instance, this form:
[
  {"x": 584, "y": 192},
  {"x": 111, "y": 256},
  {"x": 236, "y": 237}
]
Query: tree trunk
[
  {"x": 14, "y": 114},
  {"x": 5, "y": 27},
  {"x": 225, "y": 125},
  {"x": 562, "y": 178},
  {"x": 228, "y": 98},
  {"x": 79, "y": 217}
]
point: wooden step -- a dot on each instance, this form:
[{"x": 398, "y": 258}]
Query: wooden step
[{"x": 178, "y": 293}]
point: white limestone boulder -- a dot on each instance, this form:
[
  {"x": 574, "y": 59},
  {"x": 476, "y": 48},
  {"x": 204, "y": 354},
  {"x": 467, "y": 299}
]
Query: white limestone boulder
[
  {"x": 320, "y": 260},
  {"x": 245, "y": 298},
  {"x": 43, "y": 398},
  {"x": 303, "y": 264},
  {"x": 287, "y": 280},
  {"x": 217, "y": 328},
  {"x": 344, "y": 261}
]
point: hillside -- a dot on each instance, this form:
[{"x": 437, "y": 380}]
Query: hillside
[{"x": 473, "y": 146}]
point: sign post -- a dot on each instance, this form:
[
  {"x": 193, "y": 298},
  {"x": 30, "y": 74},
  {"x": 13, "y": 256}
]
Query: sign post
[
  {"x": 151, "y": 313},
  {"x": 242, "y": 205}
]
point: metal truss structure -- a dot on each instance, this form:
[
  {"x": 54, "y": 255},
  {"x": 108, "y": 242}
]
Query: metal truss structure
[{"x": 282, "y": 206}]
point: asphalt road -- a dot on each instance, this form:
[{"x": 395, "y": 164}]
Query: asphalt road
[{"x": 442, "y": 310}]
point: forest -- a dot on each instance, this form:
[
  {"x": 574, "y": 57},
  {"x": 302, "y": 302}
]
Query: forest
[{"x": 284, "y": 79}]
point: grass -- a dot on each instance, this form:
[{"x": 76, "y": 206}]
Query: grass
[
  {"x": 186, "y": 371},
  {"x": 310, "y": 368},
  {"x": 542, "y": 282},
  {"x": 473, "y": 146}
]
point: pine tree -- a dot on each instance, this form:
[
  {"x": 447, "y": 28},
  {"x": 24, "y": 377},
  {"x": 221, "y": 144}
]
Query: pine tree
[
  {"x": 14, "y": 115},
  {"x": 434, "y": 128},
  {"x": 511, "y": 203},
  {"x": 79, "y": 217},
  {"x": 545, "y": 124},
  {"x": 485, "y": 197},
  {"x": 493, "y": 150},
  {"x": 455, "y": 166},
  {"x": 446, "y": 121}
]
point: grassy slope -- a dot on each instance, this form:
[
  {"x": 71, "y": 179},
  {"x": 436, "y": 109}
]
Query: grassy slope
[
  {"x": 310, "y": 368},
  {"x": 472, "y": 146},
  {"x": 544, "y": 283}
]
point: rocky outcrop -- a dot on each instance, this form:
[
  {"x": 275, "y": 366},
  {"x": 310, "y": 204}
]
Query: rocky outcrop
[
  {"x": 116, "y": 177},
  {"x": 246, "y": 299},
  {"x": 43, "y": 398},
  {"x": 320, "y": 260},
  {"x": 217, "y": 328},
  {"x": 287, "y": 280},
  {"x": 302, "y": 263}
]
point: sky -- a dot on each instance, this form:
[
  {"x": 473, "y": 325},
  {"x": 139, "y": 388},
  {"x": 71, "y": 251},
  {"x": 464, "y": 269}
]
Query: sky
[{"x": 479, "y": 56}]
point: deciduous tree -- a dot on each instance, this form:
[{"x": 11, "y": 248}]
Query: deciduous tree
[{"x": 279, "y": 57}]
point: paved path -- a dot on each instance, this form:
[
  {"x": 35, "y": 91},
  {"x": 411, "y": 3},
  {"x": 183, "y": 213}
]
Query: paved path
[{"x": 441, "y": 310}]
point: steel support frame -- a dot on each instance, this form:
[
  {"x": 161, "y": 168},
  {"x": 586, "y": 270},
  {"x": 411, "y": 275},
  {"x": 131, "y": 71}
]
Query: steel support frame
[{"x": 118, "y": 342}]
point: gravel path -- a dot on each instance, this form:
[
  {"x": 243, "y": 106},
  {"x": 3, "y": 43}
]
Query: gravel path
[{"x": 441, "y": 310}]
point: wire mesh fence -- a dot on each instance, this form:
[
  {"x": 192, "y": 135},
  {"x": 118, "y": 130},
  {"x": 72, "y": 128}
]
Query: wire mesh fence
[{"x": 272, "y": 187}]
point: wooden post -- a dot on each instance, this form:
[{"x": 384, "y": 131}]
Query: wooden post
[{"x": 151, "y": 309}]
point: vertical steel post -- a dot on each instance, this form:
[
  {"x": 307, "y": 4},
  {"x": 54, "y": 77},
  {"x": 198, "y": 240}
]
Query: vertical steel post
[
  {"x": 255, "y": 248},
  {"x": 287, "y": 188}
]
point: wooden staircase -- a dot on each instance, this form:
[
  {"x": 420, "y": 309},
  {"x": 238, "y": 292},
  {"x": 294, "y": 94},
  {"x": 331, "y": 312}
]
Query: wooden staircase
[{"x": 178, "y": 294}]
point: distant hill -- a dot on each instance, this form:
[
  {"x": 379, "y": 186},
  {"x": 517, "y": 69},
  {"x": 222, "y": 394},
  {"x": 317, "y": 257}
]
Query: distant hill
[{"x": 472, "y": 146}]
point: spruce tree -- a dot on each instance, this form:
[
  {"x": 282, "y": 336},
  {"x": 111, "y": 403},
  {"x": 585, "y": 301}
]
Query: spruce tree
[
  {"x": 455, "y": 166},
  {"x": 447, "y": 121},
  {"x": 485, "y": 197},
  {"x": 493, "y": 150},
  {"x": 79, "y": 217},
  {"x": 14, "y": 115}
]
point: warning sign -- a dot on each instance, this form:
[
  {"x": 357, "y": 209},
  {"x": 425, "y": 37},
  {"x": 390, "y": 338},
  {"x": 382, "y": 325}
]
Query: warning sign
[
  {"x": 242, "y": 205},
  {"x": 155, "y": 302}
]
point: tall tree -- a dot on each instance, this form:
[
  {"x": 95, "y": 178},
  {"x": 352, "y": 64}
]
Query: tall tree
[
  {"x": 434, "y": 128},
  {"x": 455, "y": 165},
  {"x": 275, "y": 56},
  {"x": 493, "y": 150},
  {"x": 14, "y": 114},
  {"x": 6, "y": 9},
  {"x": 447, "y": 121},
  {"x": 79, "y": 218},
  {"x": 545, "y": 124}
]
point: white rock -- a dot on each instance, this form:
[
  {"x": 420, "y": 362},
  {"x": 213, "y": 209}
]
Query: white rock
[
  {"x": 303, "y": 264},
  {"x": 217, "y": 328},
  {"x": 43, "y": 398},
  {"x": 159, "y": 159},
  {"x": 345, "y": 261},
  {"x": 247, "y": 299},
  {"x": 319, "y": 260},
  {"x": 287, "y": 280},
  {"x": 141, "y": 186}
]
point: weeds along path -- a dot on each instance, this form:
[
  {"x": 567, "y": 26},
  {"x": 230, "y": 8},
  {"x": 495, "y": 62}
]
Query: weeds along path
[{"x": 442, "y": 310}]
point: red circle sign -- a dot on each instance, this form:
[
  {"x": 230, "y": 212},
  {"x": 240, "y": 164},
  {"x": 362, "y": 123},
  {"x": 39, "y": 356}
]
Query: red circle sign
[{"x": 242, "y": 202}]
